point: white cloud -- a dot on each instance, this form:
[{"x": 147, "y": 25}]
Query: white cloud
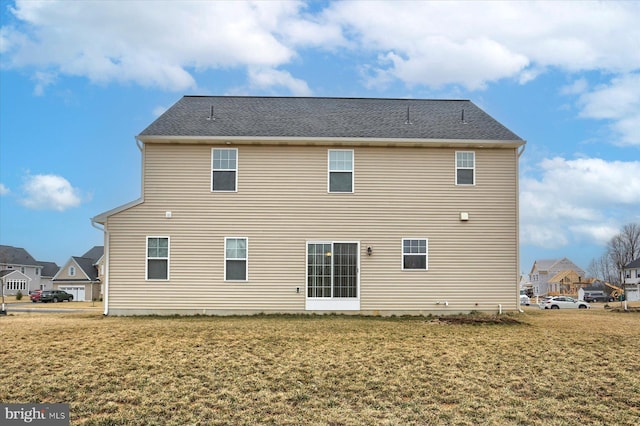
[
  {"x": 49, "y": 192},
  {"x": 269, "y": 77},
  {"x": 419, "y": 43},
  {"x": 578, "y": 200},
  {"x": 473, "y": 43},
  {"x": 618, "y": 102},
  {"x": 151, "y": 45},
  {"x": 159, "y": 110},
  {"x": 3, "y": 189}
]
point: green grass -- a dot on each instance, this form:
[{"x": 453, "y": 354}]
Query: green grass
[{"x": 554, "y": 368}]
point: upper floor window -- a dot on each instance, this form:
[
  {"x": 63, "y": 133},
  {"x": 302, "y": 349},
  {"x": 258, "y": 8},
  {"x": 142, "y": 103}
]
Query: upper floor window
[
  {"x": 157, "y": 258},
  {"x": 224, "y": 169},
  {"x": 465, "y": 168},
  {"x": 340, "y": 170},
  {"x": 235, "y": 259},
  {"x": 72, "y": 271},
  {"x": 414, "y": 254}
]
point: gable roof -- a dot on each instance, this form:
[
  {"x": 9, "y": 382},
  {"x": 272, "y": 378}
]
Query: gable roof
[
  {"x": 563, "y": 274},
  {"x": 546, "y": 265},
  {"x": 16, "y": 256},
  {"x": 94, "y": 253},
  {"x": 5, "y": 273},
  {"x": 49, "y": 269},
  {"x": 282, "y": 118},
  {"x": 87, "y": 266},
  {"x": 543, "y": 265},
  {"x": 634, "y": 264}
]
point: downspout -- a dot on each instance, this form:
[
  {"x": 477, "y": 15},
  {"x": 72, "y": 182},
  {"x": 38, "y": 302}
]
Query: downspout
[
  {"x": 520, "y": 152},
  {"x": 106, "y": 265}
]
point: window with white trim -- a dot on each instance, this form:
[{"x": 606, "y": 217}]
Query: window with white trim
[
  {"x": 340, "y": 170},
  {"x": 465, "y": 168},
  {"x": 72, "y": 271},
  {"x": 415, "y": 254},
  {"x": 236, "y": 262},
  {"x": 16, "y": 285},
  {"x": 157, "y": 258},
  {"x": 224, "y": 169}
]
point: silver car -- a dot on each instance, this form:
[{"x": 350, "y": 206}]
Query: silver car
[{"x": 563, "y": 302}]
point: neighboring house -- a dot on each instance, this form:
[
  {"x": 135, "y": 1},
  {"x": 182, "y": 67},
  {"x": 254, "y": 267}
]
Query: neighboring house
[
  {"x": 267, "y": 204},
  {"x": 14, "y": 281},
  {"x": 566, "y": 282},
  {"x": 48, "y": 271},
  {"x": 543, "y": 271},
  {"x": 80, "y": 276},
  {"x": 32, "y": 274},
  {"x": 631, "y": 274}
]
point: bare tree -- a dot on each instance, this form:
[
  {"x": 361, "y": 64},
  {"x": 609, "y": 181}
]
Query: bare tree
[
  {"x": 624, "y": 247},
  {"x": 602, "y": 269},
  {"x": 631, "y": 237}
]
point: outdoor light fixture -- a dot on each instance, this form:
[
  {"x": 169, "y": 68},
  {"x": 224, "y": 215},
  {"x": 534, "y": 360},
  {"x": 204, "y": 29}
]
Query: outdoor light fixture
[{"x": 369, "y": 251}]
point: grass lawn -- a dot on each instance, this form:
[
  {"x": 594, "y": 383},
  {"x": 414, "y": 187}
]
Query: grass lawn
[{"x": 554, "y": 368}]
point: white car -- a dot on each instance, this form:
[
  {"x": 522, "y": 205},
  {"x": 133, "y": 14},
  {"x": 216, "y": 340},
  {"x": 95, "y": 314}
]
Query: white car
[
  {"x": 563, "y": 302},
  {"x": 524, "y": 300}
]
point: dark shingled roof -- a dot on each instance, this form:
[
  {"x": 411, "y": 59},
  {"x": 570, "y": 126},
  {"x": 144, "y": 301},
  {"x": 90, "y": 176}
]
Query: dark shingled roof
[
  {"x": 49, "y": 269},
  {"x": 633, "y": 264},
  {"x": 87, "y": 266},
  {"x": 288, "y": 117},
  {"x": 16, "y": 256},
  {"x": 94, "y": 253}
]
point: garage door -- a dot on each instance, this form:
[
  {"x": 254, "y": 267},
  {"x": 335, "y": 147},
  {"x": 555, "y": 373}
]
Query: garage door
[
  {"x": 77, "y": 292},
  {"x": 633, "y": 295}
]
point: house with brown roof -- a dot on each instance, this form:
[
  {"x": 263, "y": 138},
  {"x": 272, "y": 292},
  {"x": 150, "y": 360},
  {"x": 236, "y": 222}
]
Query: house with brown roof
[{"x": 315, "y": 205}]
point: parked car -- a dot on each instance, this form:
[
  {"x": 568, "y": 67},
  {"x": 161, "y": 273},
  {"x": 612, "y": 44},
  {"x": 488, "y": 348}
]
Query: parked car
[
  {"x": 55, "y": 296},
  {"x": 597, "y": 296},
  {"x": 563, "y": 302},
  {"x": 35, "y": 295},
  {"x": 524, "y": 300}
]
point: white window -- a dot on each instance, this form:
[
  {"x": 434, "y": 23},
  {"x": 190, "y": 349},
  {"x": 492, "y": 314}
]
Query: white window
[
  {"x": 465, "y": 168},
  {"x": 340, "y": 170},
  {"x": 157, "y": 258},
  {"x": 415, "y": 254},
  {"x": 16, "y": 285},
  {"x": 72, "y": 271},
  {"x": 224, "y": 170},
  {"x": 236, "y": 263}
]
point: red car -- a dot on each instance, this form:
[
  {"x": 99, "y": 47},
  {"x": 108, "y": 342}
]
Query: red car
[{"x": 35, "y": 296}]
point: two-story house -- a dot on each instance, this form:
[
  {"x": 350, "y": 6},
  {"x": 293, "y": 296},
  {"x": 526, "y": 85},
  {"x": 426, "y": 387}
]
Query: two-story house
[
  {"x": 20, "y": 272},
  {"x": 81, "y": 275},
  {"x": 631, "y": 274},
  {"x": 550, "y": 275},
  {"x": 275, "y": 204}
]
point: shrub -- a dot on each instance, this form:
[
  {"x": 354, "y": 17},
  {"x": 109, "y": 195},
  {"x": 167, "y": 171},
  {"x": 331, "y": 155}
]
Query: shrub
[{"x": 19, "y": 295}]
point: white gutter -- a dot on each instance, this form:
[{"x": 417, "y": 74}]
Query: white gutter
[{"x": 106, "y": 264}]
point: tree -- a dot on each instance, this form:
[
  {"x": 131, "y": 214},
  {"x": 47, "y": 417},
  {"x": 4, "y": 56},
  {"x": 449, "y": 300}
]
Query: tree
[
  {"x": 624, "y": 247},
  {"x": 603, "y": 269}
]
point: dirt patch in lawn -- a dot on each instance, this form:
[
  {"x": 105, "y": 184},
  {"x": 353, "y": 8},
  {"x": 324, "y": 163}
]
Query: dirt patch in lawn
[{"x": 479, "y": 320}]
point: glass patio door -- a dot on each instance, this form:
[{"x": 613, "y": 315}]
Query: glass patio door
[{"x": 332, "y": 276}]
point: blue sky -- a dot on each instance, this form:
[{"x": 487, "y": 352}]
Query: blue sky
[{"x": 78, "y": 81}]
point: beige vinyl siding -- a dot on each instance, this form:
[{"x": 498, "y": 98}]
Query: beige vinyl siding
[
  {"x": 282, "y": 202},
  {"x": 63, "y": 274}
]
